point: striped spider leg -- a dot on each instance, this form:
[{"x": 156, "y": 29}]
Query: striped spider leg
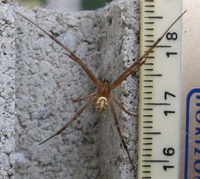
[{"x": 103, "y": 94}]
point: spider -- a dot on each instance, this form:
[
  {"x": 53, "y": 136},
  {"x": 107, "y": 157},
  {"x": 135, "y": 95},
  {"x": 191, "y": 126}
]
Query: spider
[{"x": 103, "y": 94}]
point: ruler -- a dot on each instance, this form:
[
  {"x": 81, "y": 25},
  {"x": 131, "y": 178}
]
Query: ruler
[{"x": 160, "y": 84}]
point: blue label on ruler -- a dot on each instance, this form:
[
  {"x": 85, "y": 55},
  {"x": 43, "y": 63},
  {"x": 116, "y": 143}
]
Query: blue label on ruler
[{"x": 192, "y": 138}]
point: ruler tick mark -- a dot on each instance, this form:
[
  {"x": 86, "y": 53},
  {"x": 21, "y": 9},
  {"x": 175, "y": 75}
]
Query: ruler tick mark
[
  {"x": 147, "y": 149},
  {"x": 157, "y": 104},
  {"x": 148, "y": 109},
  {"x": 148, "y": 86},
  {"x": 152, "y": 41},
  {"x": 148, "y": 69},
  {"x": 151, "y": 51},
  {"x": 146, "y": 165},
  {"x": 159, "y": 46},
  {"x": 148, "y": 122},
  {"x": 147, "y": 138},
  {"x": 147, "y": 92},
  {"x": 149, "y": 11},
  {"x": 149, "y": 29},
  {"x": 146, "y": 171},
  {"x": 148, "y": 98},
  {"x": 149, "y": 64},
  {"x": 148, "y": 22},
  {"x": 146, "y": 155},
  {"x": 152, "y": 133},
  {"x": 156, "y": 161},
  {"x": 146, "y": 115},
  {"x": 155, "y": 75},
  {"x": 148, "y": 80},
  {"x": 149, "y": 35},
  {"x": 149, "y": 6},
  {"x": 149, "y": 57},
  {"x": 153, "y": 17},
  {"x": 147, "y": 127},
  {"x": 147, "y": 143}
]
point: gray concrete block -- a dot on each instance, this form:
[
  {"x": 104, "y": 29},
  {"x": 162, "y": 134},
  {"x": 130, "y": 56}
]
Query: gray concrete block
[
  {"x": 47, "y": 81},
  {"x": 7, "y": 92}
]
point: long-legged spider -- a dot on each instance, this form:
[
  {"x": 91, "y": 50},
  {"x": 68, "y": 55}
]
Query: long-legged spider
[{"x": 103, "y": 94}]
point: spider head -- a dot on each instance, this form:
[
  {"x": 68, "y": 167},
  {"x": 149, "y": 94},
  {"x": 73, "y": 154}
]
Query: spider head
[{"x": 105, "y": 81}]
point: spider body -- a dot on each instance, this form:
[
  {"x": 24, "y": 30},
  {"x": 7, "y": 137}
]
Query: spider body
[
  {"x": 101, "y": 104},
  {"x": 102, "y": 97}
]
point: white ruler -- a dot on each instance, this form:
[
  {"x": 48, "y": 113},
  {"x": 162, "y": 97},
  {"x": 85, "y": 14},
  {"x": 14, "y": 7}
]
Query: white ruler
[{"x": 160, "y": 82}]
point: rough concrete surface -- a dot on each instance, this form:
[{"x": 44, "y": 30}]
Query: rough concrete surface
[
  {"x": 47, "y": 81},
  {"x": 7, "y": 92}
]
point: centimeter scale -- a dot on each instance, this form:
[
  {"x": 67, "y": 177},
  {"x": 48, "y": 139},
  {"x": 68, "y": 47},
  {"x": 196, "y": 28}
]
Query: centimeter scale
[
  {"x": 160, "y": 91},
  {"x": 169, "y": 106}
]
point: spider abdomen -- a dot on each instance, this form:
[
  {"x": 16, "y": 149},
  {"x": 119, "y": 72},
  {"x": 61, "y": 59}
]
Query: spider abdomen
[{"x": 101, "y": 104}]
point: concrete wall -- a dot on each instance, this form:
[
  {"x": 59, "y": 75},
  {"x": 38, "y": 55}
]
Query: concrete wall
[
  {"x": 47, "y": 81},
  {"x": 7, "y": 92}
]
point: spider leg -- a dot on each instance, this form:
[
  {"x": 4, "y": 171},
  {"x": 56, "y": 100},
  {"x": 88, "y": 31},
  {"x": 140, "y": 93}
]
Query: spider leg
[
  {"x": 72, "y": 120},
  {"x": 117, "y": 102},
  {"x": 71, "y": 54},
  {"x": 85, "y": 97},
  {"x": 119, "y": 132},
  {"x": 142, "y": 59}
]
